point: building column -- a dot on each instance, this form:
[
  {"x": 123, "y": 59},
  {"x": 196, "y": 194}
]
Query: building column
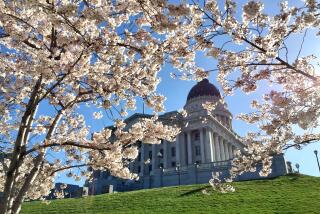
[
  {"x": 217, "y": 146},
  {"x": 165, "y": 154},
  {"x": 226, "y": 149},
  {"x": 209, "y": 142},
  {"x": 154, "y": 157},
  {"x": 230, "y": 151},
  {"x": 212, "y": 148},
  {"x": 183, "y": 150},
  {"x": 142, "y": 159},
  {"x": 234, "y": 151},
  {"x": 202, "y": 149},
  {"x": 189, "y": 148},
  {"x": 178, "y": 160},
  {"x": 223, "y": 155}
]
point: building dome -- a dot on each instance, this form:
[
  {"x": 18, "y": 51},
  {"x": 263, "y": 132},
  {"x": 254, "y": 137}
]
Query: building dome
[{"x": 203, "y": 88}]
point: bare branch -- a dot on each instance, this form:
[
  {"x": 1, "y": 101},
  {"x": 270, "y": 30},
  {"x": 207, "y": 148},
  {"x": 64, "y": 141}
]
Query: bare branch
[
  {"x": 69, "y": 143},
  {"x": 299, "y": 144},
  {"x": 68, "y": 167}
]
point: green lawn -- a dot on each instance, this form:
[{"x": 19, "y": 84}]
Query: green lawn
[{"x": 287, "y": 194}]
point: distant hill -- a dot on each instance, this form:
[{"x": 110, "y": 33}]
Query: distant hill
[{"x": 286, "y": 194}]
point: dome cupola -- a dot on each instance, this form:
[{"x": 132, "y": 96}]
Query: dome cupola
[{"x": 203, "y": 88}]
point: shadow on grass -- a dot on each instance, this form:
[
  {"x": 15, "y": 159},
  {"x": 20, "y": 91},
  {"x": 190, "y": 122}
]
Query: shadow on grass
[{"x": 193, "y": 191}]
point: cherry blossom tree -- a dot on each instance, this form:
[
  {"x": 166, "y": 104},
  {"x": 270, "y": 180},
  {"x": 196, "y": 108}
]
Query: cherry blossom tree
[
  {"x": 255, "y": 48},
  {"x": 61, "y": 54}
]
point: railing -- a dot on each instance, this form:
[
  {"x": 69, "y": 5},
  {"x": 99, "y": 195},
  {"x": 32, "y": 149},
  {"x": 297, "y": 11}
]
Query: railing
[
  {"x": 214, "y": 164},
  {"x": 169, "y": 170},
  {"x": 209, "y": 166}
]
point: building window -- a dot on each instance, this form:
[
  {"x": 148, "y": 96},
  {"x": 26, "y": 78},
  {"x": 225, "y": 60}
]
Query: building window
[
  {"x": 139, "y": 169},
  {"x": 96, "y": 174},
  {"x": 196, "y": 136},
  {"x": 105, "y": 175},
  {"x": 139, "y": 143},
  {"x": 150, "y": 155},
  {"x": 173, "y": 151},
  {"x": 198, "y": 151},
  {"x": 173, "y": 164}
]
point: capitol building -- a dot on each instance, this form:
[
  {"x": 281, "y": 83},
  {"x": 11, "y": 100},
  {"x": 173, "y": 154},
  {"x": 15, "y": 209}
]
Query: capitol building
[{"x": 206, "y": 144}]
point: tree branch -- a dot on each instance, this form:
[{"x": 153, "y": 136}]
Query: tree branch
[
  {"x": 61, "y": 79},
  {"x": 281, "y": 60},
  {"x": 263, "y": 50},
  {"x": 68, "y": 167},
  {"x": 313, "y": 140},
  {"x": 68, "y": 143}
]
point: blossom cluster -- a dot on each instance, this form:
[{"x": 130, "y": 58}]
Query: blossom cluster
[{"x": 218, "y": 185}]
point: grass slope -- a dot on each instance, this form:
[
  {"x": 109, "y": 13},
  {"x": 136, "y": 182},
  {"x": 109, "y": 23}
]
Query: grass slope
[{"x": 287, "y": 194}]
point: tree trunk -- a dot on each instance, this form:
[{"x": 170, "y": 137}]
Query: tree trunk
[
  {"x": 16, "y": 206},
  {"x": 17, "y": 155},
  {"x": 15, "y": 202}
]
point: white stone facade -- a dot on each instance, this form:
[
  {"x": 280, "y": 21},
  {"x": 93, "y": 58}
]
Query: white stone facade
[{"x": 206, "y": 143}]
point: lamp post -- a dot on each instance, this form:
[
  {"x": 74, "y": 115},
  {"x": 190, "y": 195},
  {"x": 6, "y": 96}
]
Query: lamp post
[
  {"x": 93, "y": 187},
  {"x": 160, "y": 155},
  {"x": 150, "y": 179},
  {"x": 178, "y": 170},
  {"x": 196, "y": 165},
  {"x": 316, "y": 153},
  {"x": 298, "y": 166},
  {"x": 147, "y": 162},
  {"x": 161, "y": 176},
  {"x": 150, "y": 172}
]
